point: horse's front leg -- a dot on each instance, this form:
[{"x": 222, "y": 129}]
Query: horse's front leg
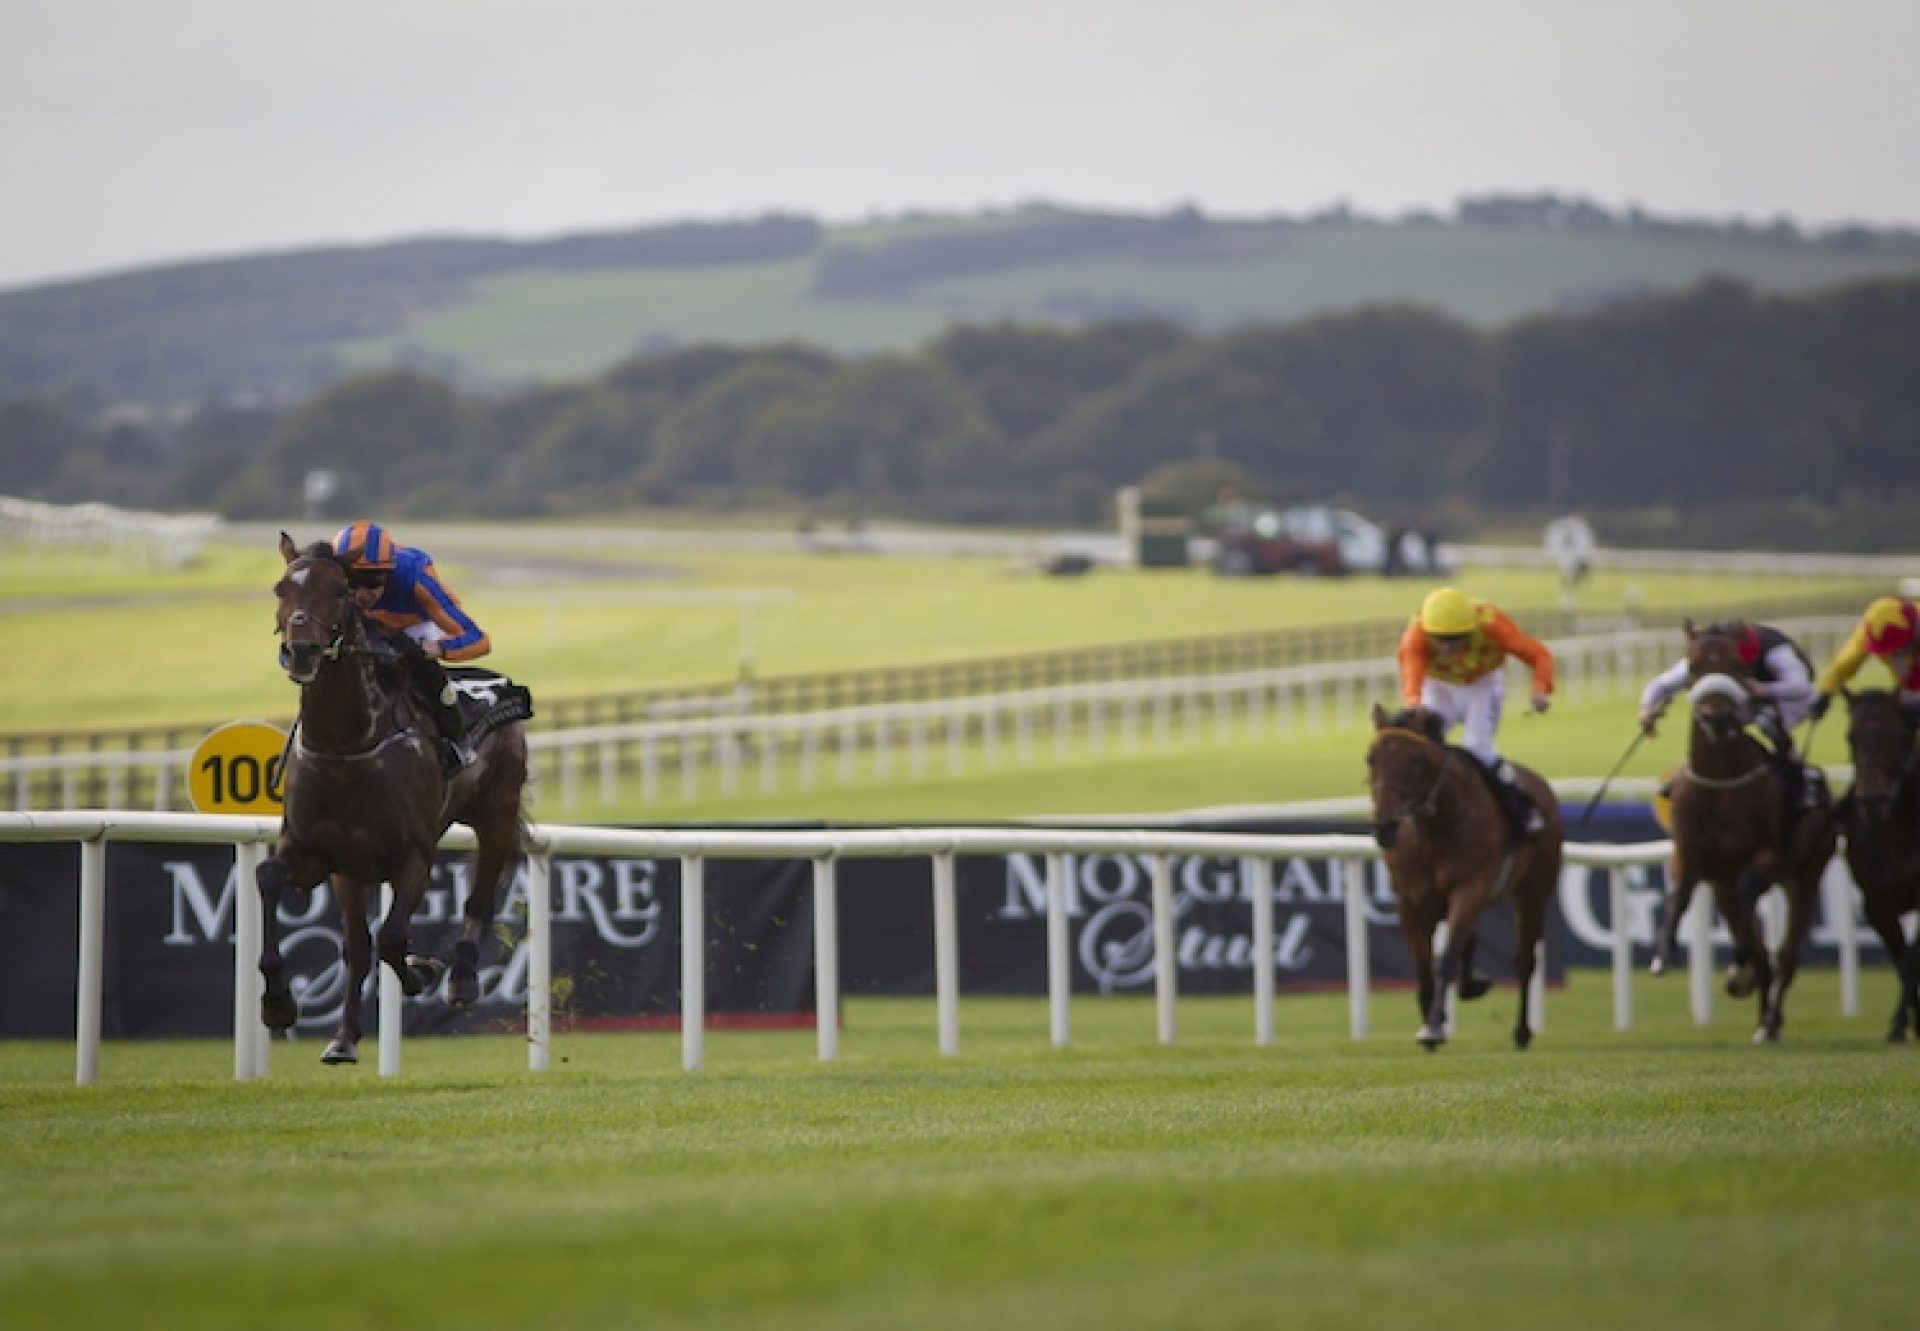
[
  {"x": 1417, "y": 921},
  {"x": 1773, "y": 1008},
  {"x": 279, "y": 1010},
  {"x": 1884, "y": 915},
  {"x": 1463, "y": 912},
  {"x": 356, "y": 955},
  {"x": 1740, "y": 904}
]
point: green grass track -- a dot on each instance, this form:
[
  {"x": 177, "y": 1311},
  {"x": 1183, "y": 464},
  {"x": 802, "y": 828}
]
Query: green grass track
[{"x": 1666, "y": 1177}]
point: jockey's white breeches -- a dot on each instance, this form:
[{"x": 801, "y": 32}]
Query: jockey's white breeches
[{"x": 1474, "y": 707}]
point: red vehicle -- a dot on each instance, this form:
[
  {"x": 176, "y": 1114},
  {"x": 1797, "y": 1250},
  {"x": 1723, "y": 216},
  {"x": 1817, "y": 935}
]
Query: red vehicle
[{"x": 1252, "y": 541}]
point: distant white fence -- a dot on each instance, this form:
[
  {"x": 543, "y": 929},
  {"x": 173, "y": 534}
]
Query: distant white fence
[
  {"x": 1751, "y": 563},
  {"x": 93, "y": 830},
  {"x": 895, "y": 741},
  {"x": 168, "y": 540},
  {"x": 909, "y": 740}
]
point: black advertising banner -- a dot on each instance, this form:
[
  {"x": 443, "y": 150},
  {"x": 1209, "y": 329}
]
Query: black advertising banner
[
  {"x": 169, "y": 952},
  {"x": 616, "y": 954},
  {"x": 886, "y": 923}
]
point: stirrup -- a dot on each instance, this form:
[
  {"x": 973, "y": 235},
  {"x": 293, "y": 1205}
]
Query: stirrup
[{"x": 455, "y": 757}]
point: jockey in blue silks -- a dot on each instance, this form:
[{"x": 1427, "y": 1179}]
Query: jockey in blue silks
[{"x": 400, "y": 592}]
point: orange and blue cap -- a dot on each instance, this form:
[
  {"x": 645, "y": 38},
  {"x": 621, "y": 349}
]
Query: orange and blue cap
[{"x": 365, "y": 545}]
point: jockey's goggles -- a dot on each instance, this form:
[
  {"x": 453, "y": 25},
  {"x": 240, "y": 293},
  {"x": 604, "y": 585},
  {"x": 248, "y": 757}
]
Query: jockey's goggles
[
  {"x": 368, "y": 578},
  {"x": 1449, "y": 641}
]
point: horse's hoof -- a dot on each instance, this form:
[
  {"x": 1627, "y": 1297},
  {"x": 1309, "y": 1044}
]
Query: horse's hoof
[
  {"x": 1474, "y": 986},
  {"x": 1739, "y": 982},
  {"x": 1658, "y": 966},
  {"x": 1897, "y": 1035},
  {"x": 421, "y": 974},
  {"x": 1522, "y": 1037},
  {"x": 1431, "y": 1037},
  {"x": 278, "y": 1012},
  {"x": 341, "y": 1051},
  {"x": 463, "y": 987}
]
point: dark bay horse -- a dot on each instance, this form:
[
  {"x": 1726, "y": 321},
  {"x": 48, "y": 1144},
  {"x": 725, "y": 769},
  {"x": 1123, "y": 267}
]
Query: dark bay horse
[
  {"x": 365, "y": 801},
  {"x": 1732, "y": 828},
  {"x": 1881, "y": 817},
  {"x": 1449, "y": 855}
]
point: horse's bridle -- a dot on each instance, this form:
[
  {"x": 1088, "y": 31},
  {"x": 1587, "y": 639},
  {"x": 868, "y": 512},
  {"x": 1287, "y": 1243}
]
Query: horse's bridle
[
  {"x": 1413, "y": 811},
  {"x": 1904, "y": 770},
  {"x": 299, "y": 619}
]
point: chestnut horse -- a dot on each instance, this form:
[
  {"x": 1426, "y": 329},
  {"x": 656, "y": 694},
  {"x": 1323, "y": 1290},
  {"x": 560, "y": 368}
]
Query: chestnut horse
[
  {"x": 1449, "y": 855},
  {"x": 1732, "y": 828},
  {"x": 365, "y": 801},
  {"x": 1881, "y": 817}
]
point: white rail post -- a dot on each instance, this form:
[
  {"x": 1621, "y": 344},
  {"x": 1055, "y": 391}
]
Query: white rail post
[
  {"x": 1537, "y": 989},
  {"x": 1622, "y": 950},
  {"x": 1059, "y": 977},
  {"x": 1166, "y": 965},
  {"x": 1262, "y": 874},
  {"x": 826, "y": 956},
  {"x": 1836, "y": 891},
  {"x": 1359, "y": 965},
  {"x": 391, "y": 997},
  {"x": 248, "y": 1034},
  {"x": 93, "y": 946},
  {"x": 693, "y": 963},
  {"x": 1700, "y": 955},
  {"x": 539, "y": 961},
  {"x": 946, "y": 954}
]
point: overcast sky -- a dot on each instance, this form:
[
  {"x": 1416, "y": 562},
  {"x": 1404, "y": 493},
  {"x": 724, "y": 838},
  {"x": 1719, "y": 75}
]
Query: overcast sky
[{"x": 139, "y": 131}]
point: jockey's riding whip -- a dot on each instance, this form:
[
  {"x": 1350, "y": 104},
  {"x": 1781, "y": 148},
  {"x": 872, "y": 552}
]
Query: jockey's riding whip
[{"x": 1594, "y": 803}]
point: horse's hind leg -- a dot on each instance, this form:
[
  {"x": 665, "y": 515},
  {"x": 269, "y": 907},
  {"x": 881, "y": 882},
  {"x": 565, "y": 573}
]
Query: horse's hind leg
[
  {"x": 417, "y": 974},
  {"x": 356, "y": 951},
  {"x": 1473, "y": 984},
  {"x": 1681, "y": 881},
  {"x": 1529, "y": 923},
  {"x": 498, "y": 836}
]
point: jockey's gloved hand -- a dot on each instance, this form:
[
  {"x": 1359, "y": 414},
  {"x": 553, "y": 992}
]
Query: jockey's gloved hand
[
  {"x": 1541, "y": 702},
  {"x": 1820, "y": 704},
  {"x": 1649, "y": 720}
]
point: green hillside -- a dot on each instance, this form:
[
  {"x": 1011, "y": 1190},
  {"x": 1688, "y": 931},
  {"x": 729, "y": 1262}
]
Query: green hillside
[{"x": 495, "y": 312}]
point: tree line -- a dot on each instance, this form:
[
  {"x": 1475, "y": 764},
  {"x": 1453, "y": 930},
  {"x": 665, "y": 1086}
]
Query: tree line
[{"x": 1715, "y": 396}]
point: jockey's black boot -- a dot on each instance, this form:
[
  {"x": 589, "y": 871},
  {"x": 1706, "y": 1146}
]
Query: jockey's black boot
[
  {"x": 1786, "y": 764},
  {"x": 1524, "y": 820},
  {"x": 442, "y": 703}
]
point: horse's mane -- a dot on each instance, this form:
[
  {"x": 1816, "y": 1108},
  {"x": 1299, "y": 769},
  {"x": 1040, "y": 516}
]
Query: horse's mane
[
  {"x": 1418, "y": 722},
  {"x": 322, "y": 550}
]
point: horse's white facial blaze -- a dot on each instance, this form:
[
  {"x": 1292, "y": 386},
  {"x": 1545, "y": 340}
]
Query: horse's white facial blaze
[{"x": 299, "y": 577}]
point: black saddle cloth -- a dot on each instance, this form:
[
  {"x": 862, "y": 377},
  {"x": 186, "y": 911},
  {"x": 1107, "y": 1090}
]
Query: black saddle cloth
[{"x": 489, "y": 700}]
